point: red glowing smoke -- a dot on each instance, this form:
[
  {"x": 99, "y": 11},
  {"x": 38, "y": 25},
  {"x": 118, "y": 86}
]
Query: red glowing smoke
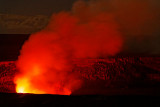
[{"x": 45, "y": 62}]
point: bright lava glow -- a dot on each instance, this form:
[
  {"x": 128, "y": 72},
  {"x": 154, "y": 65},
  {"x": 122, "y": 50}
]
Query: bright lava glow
[
  {"x": 20, "y": 90},
  {"x": 24, "y": 87},
  {"x": 25, "y": 84}
]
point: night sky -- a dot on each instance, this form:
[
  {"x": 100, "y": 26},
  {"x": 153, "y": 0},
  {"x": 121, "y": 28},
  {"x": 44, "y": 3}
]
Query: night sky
[
  {"x": 32, "y": 7},
  {"x": 128, "y": 12},
  {"x": 136, "y": 18},
  {"x": 44, "y": 7}
]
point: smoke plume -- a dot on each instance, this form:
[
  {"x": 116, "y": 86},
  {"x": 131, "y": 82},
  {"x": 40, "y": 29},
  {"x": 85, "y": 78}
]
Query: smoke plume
[
  {"x": 45, "y": 62},
  {"x": 96, "y": 28},
  {"x": 139, "y": 23}
]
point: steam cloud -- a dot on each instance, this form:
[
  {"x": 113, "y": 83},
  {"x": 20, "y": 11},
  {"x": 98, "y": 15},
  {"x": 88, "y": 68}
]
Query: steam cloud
[{"x": 92, "y": 29}]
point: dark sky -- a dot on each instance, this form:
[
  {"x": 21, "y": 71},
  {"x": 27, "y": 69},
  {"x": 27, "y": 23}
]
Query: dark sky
[
  {"x": 135, "y": 17},
  {"x": 42, "y": 7},
  {"x": 34, "y": 7}
]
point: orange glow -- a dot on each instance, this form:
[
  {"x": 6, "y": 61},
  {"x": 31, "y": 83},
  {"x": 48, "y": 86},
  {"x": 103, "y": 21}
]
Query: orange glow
[
  {"x": 23, "y": 86},
  {"x": 20, "y": 90},
  {"x": 27, "y": 84}
]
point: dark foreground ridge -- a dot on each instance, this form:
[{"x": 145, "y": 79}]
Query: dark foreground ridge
[{"x": 26, "y": 100}]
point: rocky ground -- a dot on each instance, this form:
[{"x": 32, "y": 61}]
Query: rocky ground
[{"x": 103, "y": 75}]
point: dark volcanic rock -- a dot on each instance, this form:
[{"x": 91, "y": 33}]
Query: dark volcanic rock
[
  {"x": 118, "y": 73},
  {"x": 7, "y": 73}
]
